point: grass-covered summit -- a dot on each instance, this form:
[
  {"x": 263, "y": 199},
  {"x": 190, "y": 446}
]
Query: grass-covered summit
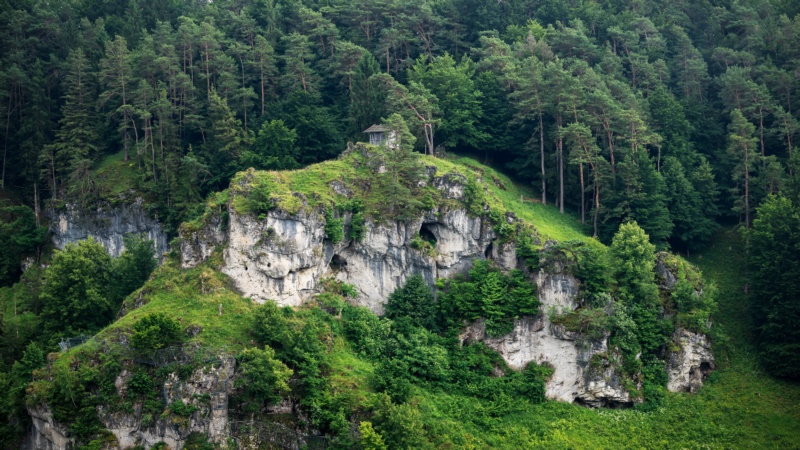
[{"x": 363, "y": 175}]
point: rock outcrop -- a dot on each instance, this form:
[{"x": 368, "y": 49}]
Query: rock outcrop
[
  {"x": 108, "y": 225},
  {"x": 690, "y": 363},
  {"x": 582, "y": 371},
  {"x": 204, "y": 394},
  {"x": 46, "y": 433},
  {"x": 283, "y": 257}
]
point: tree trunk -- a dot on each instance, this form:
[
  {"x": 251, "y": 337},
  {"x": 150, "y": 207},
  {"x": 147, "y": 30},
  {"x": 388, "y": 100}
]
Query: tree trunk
[
  {"x": 596, "y": 200},
  {"x": 746, "y": 189},
  {"x": 583, "y": 200},
  {"x": 5, "y": 144},
  {"x": 541, "y": 154}
]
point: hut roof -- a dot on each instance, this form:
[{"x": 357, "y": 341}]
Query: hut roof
[{"x": 376, "y": 129}]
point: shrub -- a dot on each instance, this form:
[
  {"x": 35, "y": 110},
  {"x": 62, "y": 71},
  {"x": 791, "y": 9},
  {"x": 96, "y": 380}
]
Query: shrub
[
  {"x": 262, "y": 378},
  {"x": 333, "y": 228},
  {"x": 415, "y": 301},
  {"x": 155, "y": 331}
]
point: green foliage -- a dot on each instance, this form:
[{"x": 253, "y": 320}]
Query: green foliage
[
  {"x": 155, "y": 331},
  {"x": 274, "y": 148},
  {"x": 198, "y": 441},
  {"x": 262, "y": 378},
  {"x": 638, "y": 322},
  {"x": 486, "y": 292},
  {"x": 775, "y": 270},
  {"x": 133, "y": 266},
  {"x": 370, "y": 438},
  {"x": 333, "y": 228},
  {"x": 18, "y": 236},
  {"x": 74, "y": 292},
  {"x": 414, "y": 301},
  {"x": 181, "y": 409}
]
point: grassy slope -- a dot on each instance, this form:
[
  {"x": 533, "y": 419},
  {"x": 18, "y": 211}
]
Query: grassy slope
[{"x": 314, "y": 183}]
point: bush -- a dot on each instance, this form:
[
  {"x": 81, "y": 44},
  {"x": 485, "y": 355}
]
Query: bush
[
  {"x": 74, "y": 294},
  {"x": 333, "y": 228},
  {"x": 414, "y": 301},
  {"x": 155, "y": 331},
  {"x": 262, "y": 378},
  {"x": 490, "y": 294},
  {"x": 133, "y": 266}
]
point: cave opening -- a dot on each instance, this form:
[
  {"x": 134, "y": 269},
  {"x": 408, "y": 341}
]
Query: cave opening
[
  {"x": 338, "y": 262},
  {"x": 427, "y": 235},
  {"x": 488, "y": 252}
]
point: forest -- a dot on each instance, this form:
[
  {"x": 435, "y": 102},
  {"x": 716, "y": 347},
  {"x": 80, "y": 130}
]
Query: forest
[{"x": 682, "y": 117}]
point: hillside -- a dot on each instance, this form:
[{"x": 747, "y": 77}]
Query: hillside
[{"x": 342, "y": 374}]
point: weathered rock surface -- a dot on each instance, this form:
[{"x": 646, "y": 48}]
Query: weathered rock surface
[
  {"x": 47, "y": 434},
  {"x": 108, "y": 225},
  {"x": 691, "y": 363},
  {"x": 576, "y": 376},
  {"x": 207, "y": 389}
]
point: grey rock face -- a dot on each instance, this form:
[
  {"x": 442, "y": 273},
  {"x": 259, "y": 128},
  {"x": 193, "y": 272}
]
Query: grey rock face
[
  {"x": 47, "y": 434},
  {"x": 576, "y": 375},
  {"x": 207, "y": 389},
  {"x": 691, "y": 363},
  {"x": 107, "y": 225},
  {"x": 690, "y": 360},
  {"x": 283, "y": 257}
]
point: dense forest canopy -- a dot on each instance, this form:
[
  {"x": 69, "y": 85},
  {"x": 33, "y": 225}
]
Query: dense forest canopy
[{"x": 673, "y": 114}]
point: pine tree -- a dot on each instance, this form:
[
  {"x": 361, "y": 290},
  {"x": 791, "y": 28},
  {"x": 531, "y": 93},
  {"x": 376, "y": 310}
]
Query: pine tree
[
  {"x": 742, "y": 146},
  {"x": 117, "y": 76},
  {"x": 77, "y": 138},
  {"x": 775, "y": 276},
  {"x": 367, "y": 96},
  {"x": 298, "y": 58}
]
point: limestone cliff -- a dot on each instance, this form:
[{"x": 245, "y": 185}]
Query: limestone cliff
[
  {"x": 205, "y": 394},
  {"x": 283, "y": 253},
  {"x": 283, "y": 257},
  {"x": 107, "y": 224}
]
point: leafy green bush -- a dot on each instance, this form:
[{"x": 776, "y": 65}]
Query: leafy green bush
[
  {"x": 487, "y": 292},
  {"x": 140, "y": 383},
  {"x": 155, "y": 331},
  {"x": 333, "y": 228},
  {"x": 262, "y": 378},
  {"x": 133, "y": 266},
  {"x": 414, "y": 300},
  {"x": 74, "y": 295}
]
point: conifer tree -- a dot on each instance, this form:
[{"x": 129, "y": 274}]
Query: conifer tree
[
  {"x": 742, "y": 147},
  {"x": 117, "y": 76},
  {"x": 77, "y": 138}
]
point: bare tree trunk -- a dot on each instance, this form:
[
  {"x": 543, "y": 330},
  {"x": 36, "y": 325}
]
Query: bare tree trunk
[
  {"x": 583, "y": 200},
  {"x": 746, "y": 190},
  {"x": 36, "y": 203},
  {"x": 560, "y": 169},
  {"x": 5, "y": 144},
  {"x": 596, "y": 201},
  {"x": 541, "y": 154}
]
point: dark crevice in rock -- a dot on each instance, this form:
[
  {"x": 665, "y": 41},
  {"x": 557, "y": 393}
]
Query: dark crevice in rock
[
  {"x": 426, "y": 233},
  {"x": 338, "y": 262}
]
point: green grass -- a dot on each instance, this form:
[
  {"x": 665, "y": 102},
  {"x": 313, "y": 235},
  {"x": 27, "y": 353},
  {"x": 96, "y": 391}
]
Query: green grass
[
  {"x": 310, "y": 188},
  {"x": 116, "y": 178},
  {"x": 192, "y": 297},
  {"x": 523, "y": 202}
]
